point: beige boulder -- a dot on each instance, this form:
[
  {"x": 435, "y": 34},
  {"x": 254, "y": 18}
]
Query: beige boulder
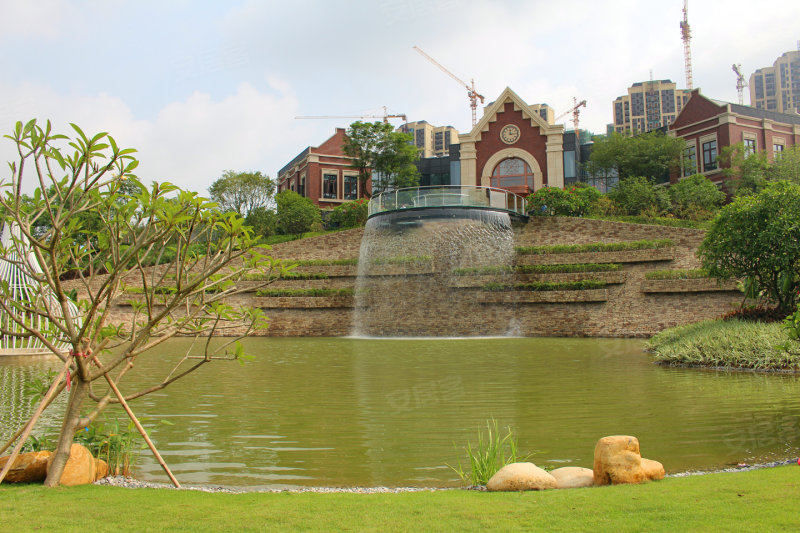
[
  {"x": 652, "y": 469},
  {"x": 521, "y": 476},
  {"x": 573, "y": 477},
  {"x": 27, "y": 468},
  {"x": 100, "y": 469},
  {"x": 80, "y": 468}
]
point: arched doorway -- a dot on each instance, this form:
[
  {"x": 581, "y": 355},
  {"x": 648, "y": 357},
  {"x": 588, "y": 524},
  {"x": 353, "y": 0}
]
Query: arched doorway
[{"x": 512, "y": 172}]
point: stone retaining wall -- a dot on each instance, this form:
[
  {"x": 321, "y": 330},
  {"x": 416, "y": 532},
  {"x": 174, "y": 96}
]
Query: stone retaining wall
[{"x": 629, "y": 305}]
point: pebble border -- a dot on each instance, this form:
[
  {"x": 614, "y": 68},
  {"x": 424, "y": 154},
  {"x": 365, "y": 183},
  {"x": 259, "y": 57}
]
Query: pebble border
[{"x": 131, "y": 483}]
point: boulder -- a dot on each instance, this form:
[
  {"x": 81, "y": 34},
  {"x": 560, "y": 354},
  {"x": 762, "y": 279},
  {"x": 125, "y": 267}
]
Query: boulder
[
  {"x": 617, "y": 460},
  {"x": 573, "y": 477},
  {"x": 27, "y": 468},
  {"x": 80, "y": 468},
  {"x": 653, "y": 470},
  {"x": 521, "y": 476},
  {"x": 100, "y": 469}
]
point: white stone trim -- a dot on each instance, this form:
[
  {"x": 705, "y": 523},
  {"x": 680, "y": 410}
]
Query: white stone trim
[{"x": 507, "y": 153}]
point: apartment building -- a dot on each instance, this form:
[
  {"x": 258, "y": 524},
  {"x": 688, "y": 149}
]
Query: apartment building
[
  {"x": 649, "y": 105},
  {"x": 777, "y": 88},
  {"x": 430, "y": 140}
]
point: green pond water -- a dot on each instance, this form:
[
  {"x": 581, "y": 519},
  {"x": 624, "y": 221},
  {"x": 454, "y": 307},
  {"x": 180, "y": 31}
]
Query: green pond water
[{"x": 364, "y": 412}]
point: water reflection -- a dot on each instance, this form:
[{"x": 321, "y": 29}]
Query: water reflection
[{"x": 343, "y": 412}]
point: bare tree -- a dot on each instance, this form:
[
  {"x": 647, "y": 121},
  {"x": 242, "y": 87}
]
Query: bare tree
[{"x": 171, "y": 253}]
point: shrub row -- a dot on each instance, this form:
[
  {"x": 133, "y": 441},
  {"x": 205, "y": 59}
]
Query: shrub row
[
  {"x": 545, "y": 286},
  {"x": 305, "y": 292},
  {"x": 323, "y": 262},
  {"x": 538, "y": 269},
  {"x": 698, "y": 273},
  {"x": 594, "y": 247}
]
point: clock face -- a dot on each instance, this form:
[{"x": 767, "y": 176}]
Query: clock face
[{"x": 509, "y": 134}]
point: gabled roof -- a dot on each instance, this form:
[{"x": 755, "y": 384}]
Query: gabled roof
[
  {"x": 490, "y": 115},
  {"x": 727, "y": 107}
]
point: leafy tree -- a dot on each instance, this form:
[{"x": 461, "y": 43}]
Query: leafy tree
[
  {"x": 695, "y": 198},
  {"x": 242, "y": 192},
  {"x": 263, "y": 221},
  {"x": 745, "y": 170},
  {"x": 638, "y": 195},
  {"x": 86, "y": 178},
  {"x": 296, "y": 214},
  {"x": 757, "y": 238},
  {"x": 380, "y": 153},
  {"x": 651, "y": 154},
  {"x": 786, "y": 166},
  {"x": 587, "y": 197}
]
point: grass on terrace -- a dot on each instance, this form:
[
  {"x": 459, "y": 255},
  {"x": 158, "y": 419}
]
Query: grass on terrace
[
  {"x": 594, "y": 247},
  {"x": 761, "y": 500}
]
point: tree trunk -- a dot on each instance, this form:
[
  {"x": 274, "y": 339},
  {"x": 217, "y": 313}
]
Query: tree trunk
[{"x": 80, "y": 390}]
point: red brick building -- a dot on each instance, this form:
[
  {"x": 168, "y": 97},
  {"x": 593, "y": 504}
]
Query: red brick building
[
  {"x": 512, "y": 147},
  {"x": 322, "y": 173},
  {"x": 709, "y": 125}
]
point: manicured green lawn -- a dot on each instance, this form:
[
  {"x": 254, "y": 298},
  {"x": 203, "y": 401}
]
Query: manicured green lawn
[{"x": 762, "y": 500}]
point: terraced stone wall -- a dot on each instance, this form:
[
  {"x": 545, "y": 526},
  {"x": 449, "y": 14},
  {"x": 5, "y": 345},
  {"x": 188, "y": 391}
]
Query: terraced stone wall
[{"x": 627, "y": 306}]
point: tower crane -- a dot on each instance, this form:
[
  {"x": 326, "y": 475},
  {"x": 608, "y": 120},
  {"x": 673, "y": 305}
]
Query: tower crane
[
  {"x": 575, "y": 110},
  {"x": 740, "y": 83},
  {"x": 472, "y": 94},
  {"x": 686, "y": 36},
  {"x": 386, "y": 116}
]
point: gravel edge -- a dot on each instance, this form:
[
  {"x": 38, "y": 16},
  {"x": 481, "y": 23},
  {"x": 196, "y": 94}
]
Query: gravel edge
[{"x": 131, "y": 483}]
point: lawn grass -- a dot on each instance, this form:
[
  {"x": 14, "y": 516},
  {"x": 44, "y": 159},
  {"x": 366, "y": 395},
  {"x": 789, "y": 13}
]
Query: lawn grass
[
  {"x": 542, "y": 286},
  {"x": 760, "y": 500}
]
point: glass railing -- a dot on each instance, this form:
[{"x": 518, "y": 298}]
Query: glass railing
[{"x": 447, "y": 196}]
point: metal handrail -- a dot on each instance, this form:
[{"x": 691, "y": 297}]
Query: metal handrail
[{"x": 447, "y": 196}]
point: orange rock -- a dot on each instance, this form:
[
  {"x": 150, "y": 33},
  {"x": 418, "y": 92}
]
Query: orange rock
[
  {"x": 652, "y": 469},
  {"x": 617, "y": 460},
  {"x": 27, "y": 468},
  {"x": 101, "y": 469},
  {"x": 80, "y": 468}
]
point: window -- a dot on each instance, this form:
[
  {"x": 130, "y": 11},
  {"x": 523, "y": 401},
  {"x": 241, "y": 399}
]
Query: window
[
  {"x": 329, "y": 186},
  {"x": 512, "y": 172},
  {"x": 777, "y": 150},
  {"x": 709, "y": 155},
  {"x": 350, "y": 187},
  {"x": 749, "y": 147},
  {"x": 690, "y": 160}
]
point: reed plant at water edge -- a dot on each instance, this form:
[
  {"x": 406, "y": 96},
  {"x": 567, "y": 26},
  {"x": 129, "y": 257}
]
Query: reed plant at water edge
[{"x": 491, "y": 453}]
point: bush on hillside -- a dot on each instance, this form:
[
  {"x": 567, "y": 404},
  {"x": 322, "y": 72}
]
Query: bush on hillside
[
  {"x": 296, "y": 214},
  {"x": 350, "y": 214},
  {"x": 639, "y": 196},
  {"x": 695, "y": 198}
]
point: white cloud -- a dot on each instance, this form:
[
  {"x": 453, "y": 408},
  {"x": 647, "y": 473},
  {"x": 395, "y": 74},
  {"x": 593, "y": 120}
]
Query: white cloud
[{"x": 190, "y": 142}]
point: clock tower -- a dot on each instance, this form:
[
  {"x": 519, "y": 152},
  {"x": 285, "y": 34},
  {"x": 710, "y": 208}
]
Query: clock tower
[{"x": 512, "y": 147}]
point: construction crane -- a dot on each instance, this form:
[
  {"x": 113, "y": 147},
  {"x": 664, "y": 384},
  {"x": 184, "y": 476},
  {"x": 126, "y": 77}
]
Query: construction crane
[
  {"x": 575, "y": 110},
  {"x": 386, "y": 116},
  {"x": 471, "y": 92},
  {"x": 686, "y": 35},
  {"x": 740, "y": 83}
]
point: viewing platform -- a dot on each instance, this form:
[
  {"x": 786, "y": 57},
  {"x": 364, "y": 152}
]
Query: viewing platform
[{"x": 448, "y": 196}]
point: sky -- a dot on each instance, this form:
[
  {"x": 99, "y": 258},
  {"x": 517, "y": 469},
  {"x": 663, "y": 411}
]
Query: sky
[{"x": 201, "y": 87}]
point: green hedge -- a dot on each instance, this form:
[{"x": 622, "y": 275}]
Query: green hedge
[
  {"x": 594, "y": 247},
  {"x": 698, "y": 273},
  {"x": 305, "y": 292},
  {"x": 322, "y": 262},
  {"x": 538, "y": 269},
  {"x": 545, "y": 286}
]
